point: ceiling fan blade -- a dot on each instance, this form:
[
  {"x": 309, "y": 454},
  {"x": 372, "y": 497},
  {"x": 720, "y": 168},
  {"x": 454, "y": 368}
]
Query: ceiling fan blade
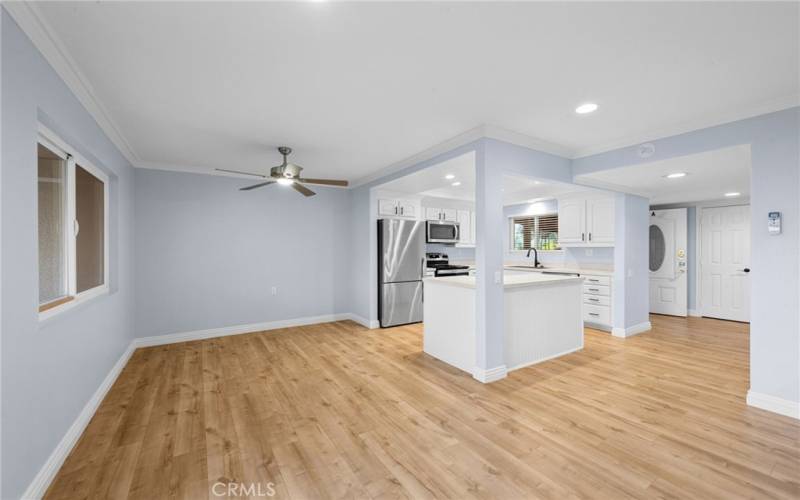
[
  {"x": 324, "y": 182},
  {"x": 239, "y": 172},
  {"x": 302, "y": 189},
  {"x": 254, "y": 186}
]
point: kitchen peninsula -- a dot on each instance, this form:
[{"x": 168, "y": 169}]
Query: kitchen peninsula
[{"x": 542, "y": 318}]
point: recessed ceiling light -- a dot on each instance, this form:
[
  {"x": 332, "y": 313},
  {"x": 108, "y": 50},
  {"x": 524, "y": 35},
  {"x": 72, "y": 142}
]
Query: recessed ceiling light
[
  {"x": 675, "y": 175},
  {"x": 285, "y": 182},
  {"x": 537, "y": 182},
  {"x": 732, "y": 194},
  {"x": 588, "y": 107},
  {"x": 456, "y": 183},
  {"x": 449, "y": 176}
]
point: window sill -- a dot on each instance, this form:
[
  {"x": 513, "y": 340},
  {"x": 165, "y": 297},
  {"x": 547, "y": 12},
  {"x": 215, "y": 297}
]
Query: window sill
[{"x": 56, "y": 307}]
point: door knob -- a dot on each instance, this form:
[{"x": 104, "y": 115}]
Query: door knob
[{"x": 746, "y": 269}]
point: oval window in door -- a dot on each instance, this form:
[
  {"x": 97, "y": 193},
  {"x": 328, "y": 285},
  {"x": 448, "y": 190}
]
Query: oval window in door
[{"x": 658, "y": 248}]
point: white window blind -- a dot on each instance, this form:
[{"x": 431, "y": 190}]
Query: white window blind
[{"x": 534, "y": 231}]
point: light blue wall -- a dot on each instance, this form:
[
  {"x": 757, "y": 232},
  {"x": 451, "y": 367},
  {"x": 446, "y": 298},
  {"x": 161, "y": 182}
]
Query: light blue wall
[
  {"x": 775, "y": 280},
  {"x": 691, "y": 258},
  {"x": 631, "y": 304},
  {"x": 208, "y": 254},
  {"x": 51, "y": 369}
]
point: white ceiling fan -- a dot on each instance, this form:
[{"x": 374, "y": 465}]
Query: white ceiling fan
[{"x": 288, "y": 174}]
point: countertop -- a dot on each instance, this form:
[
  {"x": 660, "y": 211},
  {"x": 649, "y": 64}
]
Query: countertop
[
  {"x": 514, "y": 281},
  {"x": 519, "y": 266}
]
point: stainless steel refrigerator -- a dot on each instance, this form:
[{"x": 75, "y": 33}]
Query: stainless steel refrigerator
[{"x": 401, "y": 267}]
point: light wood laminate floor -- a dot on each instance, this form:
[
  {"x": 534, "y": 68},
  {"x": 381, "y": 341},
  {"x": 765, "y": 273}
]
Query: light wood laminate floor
[{"x": 339, "y": 411}]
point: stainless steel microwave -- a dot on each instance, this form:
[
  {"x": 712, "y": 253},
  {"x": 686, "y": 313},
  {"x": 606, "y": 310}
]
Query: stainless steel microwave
[{"x": 442, "y": 232}]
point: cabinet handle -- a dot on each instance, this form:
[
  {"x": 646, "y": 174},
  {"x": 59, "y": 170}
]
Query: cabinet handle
[
  {"x": 395, "y": 210},
  {"x": 402, "y": 210},
  {"x": 590, "y": 236},
  {"x": 583, "y": 236},
  {"x": 594, "y": 280},
  {"x": 594, "y": 314},
  {"x": 594, "y": 300},
  {"x": 594, "y": 290}
]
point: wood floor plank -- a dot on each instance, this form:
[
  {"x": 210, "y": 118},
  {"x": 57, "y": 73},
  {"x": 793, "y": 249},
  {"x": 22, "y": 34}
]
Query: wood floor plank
[{"x": 339, "y": 411}]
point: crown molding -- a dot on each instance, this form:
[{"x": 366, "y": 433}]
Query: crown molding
[
  {"x": 443, "y": 147},
  {"x": 479, "y": 132},
  {"x": 711, "y": 120},
  {"x": 527, "y": 141},
  {"x": 33, "y": 23}
]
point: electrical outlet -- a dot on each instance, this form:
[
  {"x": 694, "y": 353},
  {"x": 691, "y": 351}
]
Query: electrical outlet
[
  {"x": 589, "y": 252},
  {"x": 274, "y": 290}
]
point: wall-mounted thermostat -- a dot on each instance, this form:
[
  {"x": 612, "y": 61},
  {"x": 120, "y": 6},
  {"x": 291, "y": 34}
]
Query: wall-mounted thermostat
[{"x": 774, "y": 223}]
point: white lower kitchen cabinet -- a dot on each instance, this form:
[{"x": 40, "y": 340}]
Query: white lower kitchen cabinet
[{"x": 597, "y": 300}]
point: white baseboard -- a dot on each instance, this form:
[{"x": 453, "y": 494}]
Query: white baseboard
[
  {"x": 372, "y": 324},
  {"x": 631, "y": 330},
  {"x": 42, "y": 481},
  {"x": 548, "y": 358},
  {"x": 48, "y": 472},
  {"x": 225, "y": 331},
  {"x": 774, "y": 404},
  {"x": 695, "y": 313},
  {"x": 490, "y": 375}
]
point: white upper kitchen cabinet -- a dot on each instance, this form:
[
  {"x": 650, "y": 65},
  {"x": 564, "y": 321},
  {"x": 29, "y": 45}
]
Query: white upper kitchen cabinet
[
  {"x": 467, "y": 234},
  {"x": 408, "y": 208},
  {"x": 445, "y": 214},
  {"x": 391, "y": 207},
  {"x": 586, "y": 220},
  {"x": 433, "y": 213},
  {"x": 571, "y": 221},
  {"x": 600, "y": 220}
]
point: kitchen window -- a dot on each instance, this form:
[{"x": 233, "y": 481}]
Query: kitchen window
[
  {"x": 72, "y": 226},
  {"x": 534, "y": 231}
]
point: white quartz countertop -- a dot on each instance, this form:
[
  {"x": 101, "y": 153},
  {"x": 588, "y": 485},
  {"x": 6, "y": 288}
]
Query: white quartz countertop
[
  {"x": 520, "y": 266},
  {"x": 511, "y": 281},
  {"x": 581, "y": 271}
]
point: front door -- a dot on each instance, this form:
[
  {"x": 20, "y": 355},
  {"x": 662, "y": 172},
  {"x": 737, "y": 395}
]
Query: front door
[
  {"x": 668, "y": 282},
  {"x": 725, "y": 262}
]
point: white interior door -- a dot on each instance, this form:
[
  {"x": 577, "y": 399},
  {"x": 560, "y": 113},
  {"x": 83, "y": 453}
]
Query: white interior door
[
  {"x": 668, "y": 282},
  {"x": 725, "y": 262}
]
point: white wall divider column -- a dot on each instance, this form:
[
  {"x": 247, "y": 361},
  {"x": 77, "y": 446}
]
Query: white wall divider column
[
  {"x": 489, "y": 328},
  {"x": 631, "y": 273}
]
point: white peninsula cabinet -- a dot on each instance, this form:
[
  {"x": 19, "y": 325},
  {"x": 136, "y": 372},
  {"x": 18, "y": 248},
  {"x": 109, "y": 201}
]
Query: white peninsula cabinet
[{"x": 586, "y": 221}]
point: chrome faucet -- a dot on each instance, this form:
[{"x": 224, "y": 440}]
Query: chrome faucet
[{"x": 536, "y": 262}]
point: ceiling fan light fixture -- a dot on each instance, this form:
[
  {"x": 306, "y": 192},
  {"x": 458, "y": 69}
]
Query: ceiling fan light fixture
[{"x": 286, "y": 181}]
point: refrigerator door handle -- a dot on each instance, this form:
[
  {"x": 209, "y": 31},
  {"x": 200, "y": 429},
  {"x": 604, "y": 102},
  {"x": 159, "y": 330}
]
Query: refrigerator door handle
[{"x": 422, "y": 269}]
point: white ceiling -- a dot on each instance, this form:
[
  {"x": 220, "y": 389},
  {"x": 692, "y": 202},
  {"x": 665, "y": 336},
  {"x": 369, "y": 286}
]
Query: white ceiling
[
  {"x": 432, "y": 182},
  {"x": 709, "y": 176},
  {"x": 357, "y": 87}
]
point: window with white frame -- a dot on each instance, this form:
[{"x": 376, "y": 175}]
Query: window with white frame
[
  {"x": 534, "y": 231},
  {"x": 72, "y": 225}
]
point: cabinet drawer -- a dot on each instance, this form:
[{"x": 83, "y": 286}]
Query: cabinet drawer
[
  {"x": 598, "y": 300},
  {"x": 597, "y": 314},
  {"x": 596, "y": 289},
  {"x": 597, "y": 280}
]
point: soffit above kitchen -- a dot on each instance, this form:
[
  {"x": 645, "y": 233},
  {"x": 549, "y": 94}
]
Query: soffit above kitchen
[
  {"x": 692, "y": 178},
  {"x": 358, "y": 87}
]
